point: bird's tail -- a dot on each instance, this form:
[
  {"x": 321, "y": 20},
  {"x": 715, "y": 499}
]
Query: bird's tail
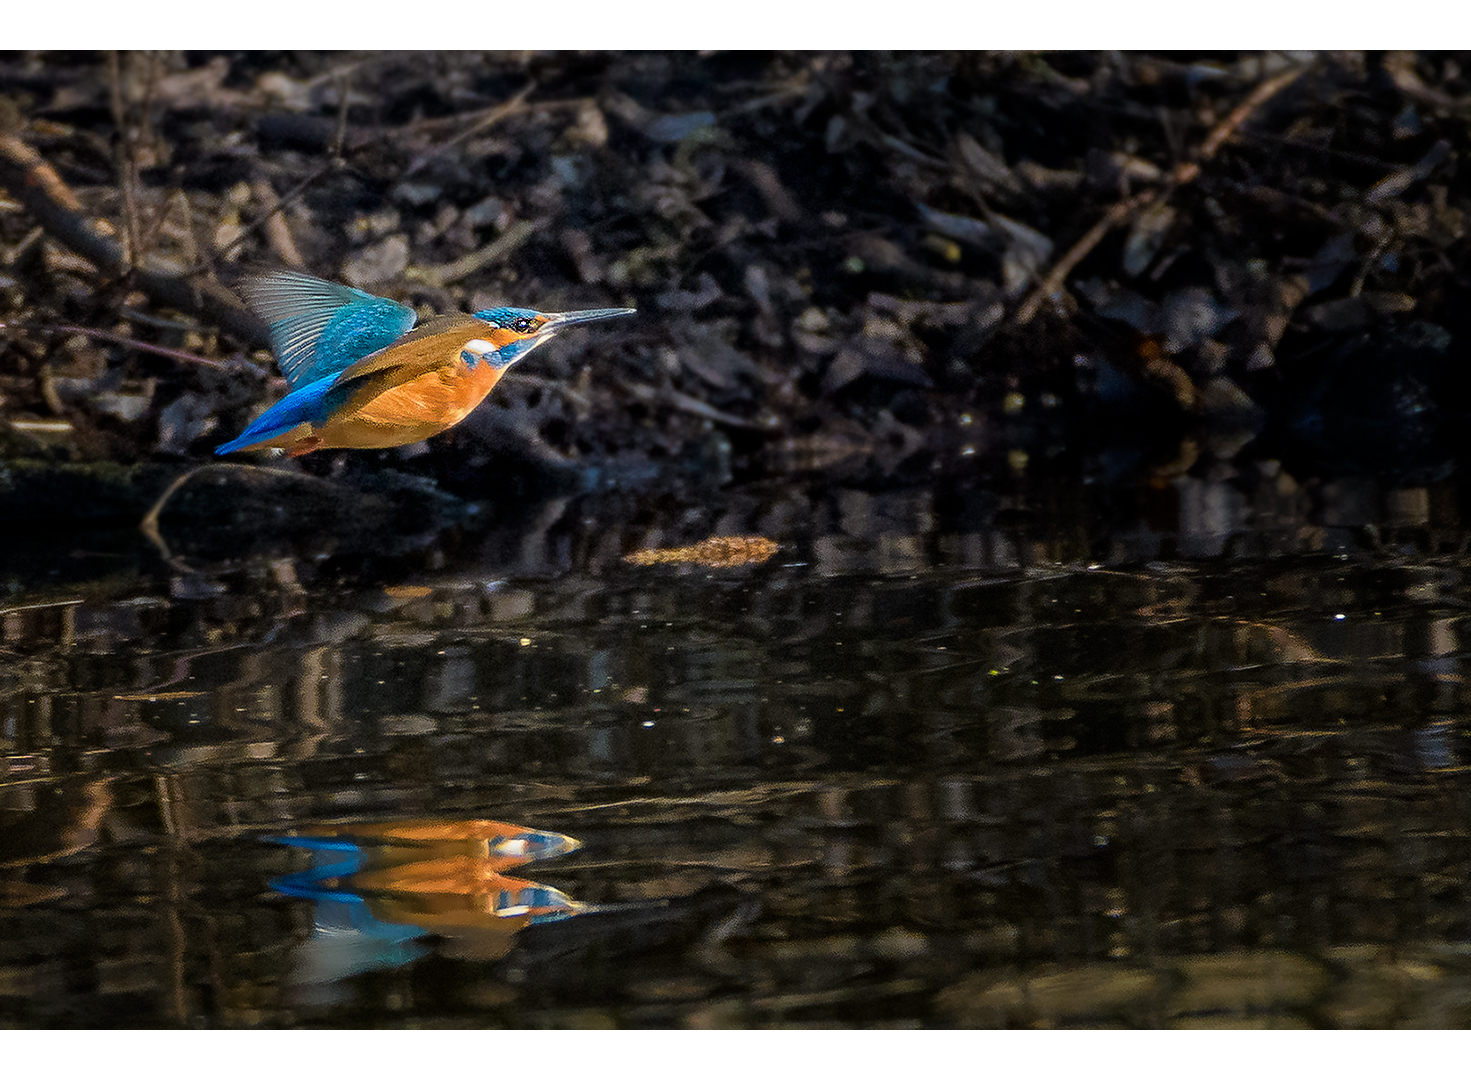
[{"x": 305, "y": 406}]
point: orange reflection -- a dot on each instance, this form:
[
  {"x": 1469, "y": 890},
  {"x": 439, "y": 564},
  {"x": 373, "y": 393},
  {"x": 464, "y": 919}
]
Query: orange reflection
[
  {"x": 496, "y": 844},
  {"x": 477, "y": 913},
  {"x": 379, "y": 886}
]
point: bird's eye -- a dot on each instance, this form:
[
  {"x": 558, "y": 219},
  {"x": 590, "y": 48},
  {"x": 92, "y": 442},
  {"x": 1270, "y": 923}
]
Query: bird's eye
[{"x": 522, "y": 325}]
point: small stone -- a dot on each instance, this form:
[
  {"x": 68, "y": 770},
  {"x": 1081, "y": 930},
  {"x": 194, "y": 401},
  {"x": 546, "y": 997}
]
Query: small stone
[
  {"x": 126, "y": 407},
  {"x": 378, "y": 262},
  {"x": 672, "y": 129},
  {"x": 415, "y": 194}
]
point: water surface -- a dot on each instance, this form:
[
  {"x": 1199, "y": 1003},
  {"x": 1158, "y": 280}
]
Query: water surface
[{"x": 1015, "y": 758}]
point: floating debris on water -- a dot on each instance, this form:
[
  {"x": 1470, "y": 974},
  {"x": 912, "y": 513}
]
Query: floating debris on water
[{"x": 718, "y": 551}]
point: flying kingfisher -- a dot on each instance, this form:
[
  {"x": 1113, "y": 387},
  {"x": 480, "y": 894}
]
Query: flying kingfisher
[{"x": 361, "y": 375}]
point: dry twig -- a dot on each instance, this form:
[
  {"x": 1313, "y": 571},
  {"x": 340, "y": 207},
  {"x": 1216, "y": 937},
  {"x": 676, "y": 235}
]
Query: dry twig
[
  {"x": 149, "y": 525},
  {"x": 1124, "y": 210},
  {"x": 490, "y": 119},
  {"x": 278, "y": 233},
  {"x": 502, "y": 247},
  {"x": 127, "y": 161},
  {"x": 118, "y": 339},
  {"x": 273, "y": 208},
  {"x": 27, "y": 176}
]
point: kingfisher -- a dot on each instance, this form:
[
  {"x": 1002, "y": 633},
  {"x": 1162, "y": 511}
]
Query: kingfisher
[{"x": 361, "y": 375}]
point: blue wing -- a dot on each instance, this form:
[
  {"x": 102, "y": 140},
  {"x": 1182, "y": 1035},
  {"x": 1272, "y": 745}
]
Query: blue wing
[
  {"x": 318, "y": 328},
  {"x": 309, "y": 405}
]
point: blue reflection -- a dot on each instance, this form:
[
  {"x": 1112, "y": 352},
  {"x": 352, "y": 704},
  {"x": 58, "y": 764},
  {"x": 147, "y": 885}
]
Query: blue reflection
[
  {"x": 347, "y": 938},
  {"x": 376, "y": 894}
]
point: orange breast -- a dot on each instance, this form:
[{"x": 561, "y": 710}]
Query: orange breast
[
  {"x": 436, "y": 400},
  {"x": 394, "y": 413}
]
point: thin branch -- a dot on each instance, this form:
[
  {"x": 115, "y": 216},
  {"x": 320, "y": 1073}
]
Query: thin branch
[
  {"x": 1052, "y": 284},
  {"x": 490, "y": 119},
  {"x": 126, "y": 160},
  {"x": 502, "y": 247},
  {"x": 119, "y": 339},
  {"x": 1400, "y": 67},
  {"x": 1124, "y": 210},
  {"x": 42, "y": 605},
  {"x": 273, "y": 209},
  {"x": 149, "y": 525},
  {"x": 278, "y": 232},
  {"x": 339, "y": 137},
  {"x": 482, "y": 120},
  {"x": 28, "y": 177},
  {"x": 1264, "y": 92}
]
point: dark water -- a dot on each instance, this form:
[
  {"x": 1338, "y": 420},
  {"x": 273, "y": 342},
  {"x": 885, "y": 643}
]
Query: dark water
[{"x": 1033, "y": 758}]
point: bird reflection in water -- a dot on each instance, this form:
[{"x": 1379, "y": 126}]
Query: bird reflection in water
[{"x": 378, "y": 888}]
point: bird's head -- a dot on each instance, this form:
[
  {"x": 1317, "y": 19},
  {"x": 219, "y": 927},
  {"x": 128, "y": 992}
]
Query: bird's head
[{"x": 514, "y": 332}]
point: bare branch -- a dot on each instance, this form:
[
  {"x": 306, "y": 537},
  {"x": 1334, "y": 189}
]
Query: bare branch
[
  {"x": 1124, "y": 210},
  {"x": 119, "y": 339},
  {"x": 31, "y": 179}
]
